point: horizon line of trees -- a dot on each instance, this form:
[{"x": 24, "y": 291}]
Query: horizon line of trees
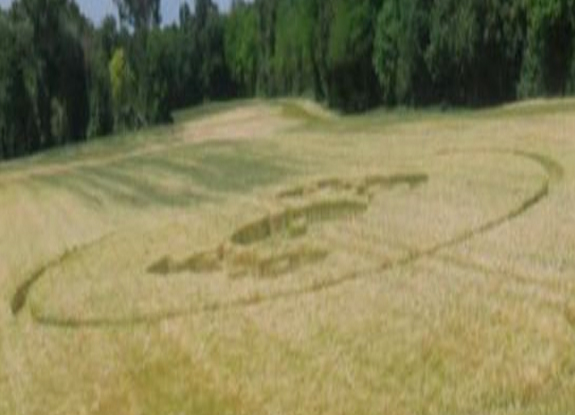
[{"x": 63, "y": 80}]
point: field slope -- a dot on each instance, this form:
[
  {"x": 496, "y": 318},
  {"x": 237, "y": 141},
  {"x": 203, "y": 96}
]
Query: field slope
[{"x": 275, "y": 258}]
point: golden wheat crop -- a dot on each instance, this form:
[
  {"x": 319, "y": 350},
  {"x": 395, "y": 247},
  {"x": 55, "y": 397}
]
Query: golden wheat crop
[{"x": 275, "y": 258}]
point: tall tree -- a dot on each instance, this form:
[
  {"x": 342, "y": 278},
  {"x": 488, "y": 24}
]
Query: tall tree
[
  {"x": 266, "y": 14},
  {"x": 402, "y": 36},
  {"x": 160, "y": 75},
  {"x": 18, "y": 129},
  {"x": 549, "y": 57},
  {"x": 455, "y": 36},
  {"x": 124, "y": 96},
  {"x": 209, "y": 32},
  {"x": 293, "y": 63},
  {"x": 188, "y": 85},
  {"x": 100, "y": 47},
  {"x": 241, "y": 46},
  {"x": 140, "y": 14},
  {"x": 60, "y": 76},
  {"x": 351, "y": 79}
]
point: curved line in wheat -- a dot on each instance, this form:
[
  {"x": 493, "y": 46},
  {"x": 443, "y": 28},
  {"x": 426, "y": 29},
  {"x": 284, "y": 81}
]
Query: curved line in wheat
[{"x": 553, "y": 173}]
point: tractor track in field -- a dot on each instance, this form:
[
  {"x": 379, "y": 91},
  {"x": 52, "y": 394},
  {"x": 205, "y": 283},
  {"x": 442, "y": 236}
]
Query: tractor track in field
[
  {"x": 20, "y": 297},
  {"x": 519, "y": 278},
  {"x": 566, "y": 308},
  {"x": 231, "y": 125},
  {"x": 553, "y": 172}
]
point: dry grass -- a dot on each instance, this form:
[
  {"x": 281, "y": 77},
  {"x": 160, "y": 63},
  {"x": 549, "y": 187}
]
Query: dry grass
[{"x": 273, "y": 258}]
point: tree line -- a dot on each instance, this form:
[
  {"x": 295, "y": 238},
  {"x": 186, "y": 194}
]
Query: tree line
[{"x": 64, "y": 80}]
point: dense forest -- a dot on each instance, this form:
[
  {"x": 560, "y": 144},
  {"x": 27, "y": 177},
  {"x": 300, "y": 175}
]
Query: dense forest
[{"x": 63, "y": 80}]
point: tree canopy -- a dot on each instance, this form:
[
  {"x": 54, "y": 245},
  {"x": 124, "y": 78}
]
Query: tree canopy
[
  {"x": 140, "y": 14},
  {"x": 64, "y": 80}
]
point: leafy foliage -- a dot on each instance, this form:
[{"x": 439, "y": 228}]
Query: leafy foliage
[
  {"x": 475, "y": 49},
  {"x": 102, "y": 46},
  {"x": 548, "y": 67},
  {"x": 293, "y": 64},
  {"x": 208, "y": 31},
  {"x": 122, "y": 81},
  {"x": 351, "y": 80},
  {"x": 402, "y": 36},
  {"x": 47, "y": 57},
  {"x": 241, "y": 45},
  {"x": 159, "y": 76},
  {"x": 62, "y": 79},
  {"x": 139, "y": 14},
  {"x": 18, "y": 127}
]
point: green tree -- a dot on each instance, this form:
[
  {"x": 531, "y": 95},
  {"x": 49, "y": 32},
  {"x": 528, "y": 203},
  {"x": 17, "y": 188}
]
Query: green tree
[
  {"x": 99, "y": 50},
  {"x": 72, "y": 88},
  {"x": 293, "y": 63},
  {"x": 498, "y": 64},
  {"x": 59, "y": 68},
  {"x": 160, "y": 76},
  {"x": 455, "y": 35},
  {"x": 188, "y": 87},
  {"x": 19, "y": 134},
  {"x": 351, "y": 80},
  {"x": 475, "y": 49},
  {"x": 123, "y": 83},
  {"x": 44, "y": 18},
  {"x": 549, "y": 59},
  {"x": 140, "y": 14},
  {"x": 241, "y": 46},
  {"x": 209, "y": 35},
  {"x": 402, "y": 36},
  {"x": 266, "y": 17}
]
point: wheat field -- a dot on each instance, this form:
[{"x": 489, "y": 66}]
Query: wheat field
[{"x": 271, "y": 257}]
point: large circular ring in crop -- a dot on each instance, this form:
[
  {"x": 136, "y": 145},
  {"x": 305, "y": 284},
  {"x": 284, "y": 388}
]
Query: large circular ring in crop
[{"x": 323, "y": 234}]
